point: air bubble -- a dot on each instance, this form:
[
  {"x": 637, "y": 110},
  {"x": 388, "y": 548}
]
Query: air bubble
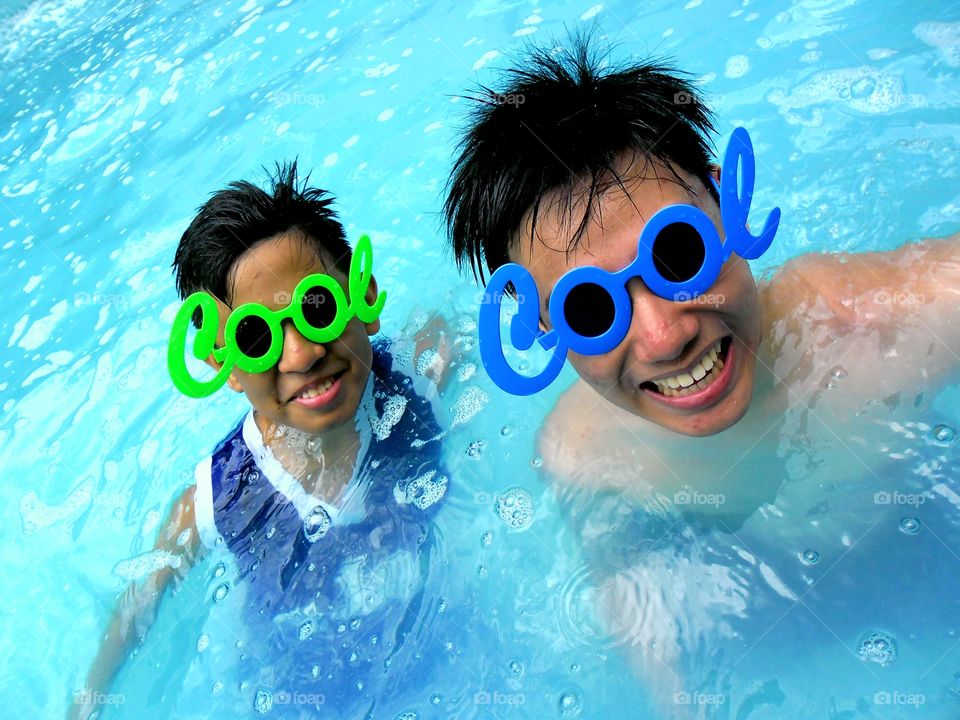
[
  {"x": 877, "y": 646},
  {"x": 263, "y": 701},
  {"x": 506, "y": 431},
  {"x": 219, "y": 570},
  {"x": 316, "y": 524},
  {"x": 810, "y": 557},
  {"x": 516, "y": 668},
  {"x": 486, "y": 540},
  {"x": 423, "y": 491},
  {"x": 943, "y": 433},
  {"x": 910, "y": 526},
  {"x": 476, "y": 449},
  {"x": 306, "y": 630},
  {"x": 435, "y": 699},
  {"x": 407, "y": 715},
  {"x": 220, "y": 594},
  {"x": 536, "y": 462},
  {"x": 515, "y": 508},
  {"x": 569, "y": 705}
]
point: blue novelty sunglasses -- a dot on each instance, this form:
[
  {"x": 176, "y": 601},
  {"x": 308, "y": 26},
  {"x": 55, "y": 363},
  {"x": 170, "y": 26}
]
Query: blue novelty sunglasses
[{"x": 679, "y": 256}]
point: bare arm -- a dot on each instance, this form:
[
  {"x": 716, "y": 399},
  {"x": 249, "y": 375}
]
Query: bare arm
[
  {"x": 905, "y": 300},
  {"x": 137, "y": 606}
]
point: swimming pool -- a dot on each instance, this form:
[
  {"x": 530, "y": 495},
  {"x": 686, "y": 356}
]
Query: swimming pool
[{"x": 120, "y": 118}]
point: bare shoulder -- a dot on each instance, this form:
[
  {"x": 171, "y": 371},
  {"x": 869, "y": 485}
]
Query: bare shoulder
[{"x": 576, "y": 432}]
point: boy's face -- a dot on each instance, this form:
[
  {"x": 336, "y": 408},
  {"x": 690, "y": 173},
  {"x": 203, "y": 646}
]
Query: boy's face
[
  {"x": 267, "y": 274},
  {"x": 665, "y": 338}
]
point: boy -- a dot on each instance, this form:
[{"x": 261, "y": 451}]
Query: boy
[
  {"x": 768, "y": 378},
  {"x": 323, "y": 492}
]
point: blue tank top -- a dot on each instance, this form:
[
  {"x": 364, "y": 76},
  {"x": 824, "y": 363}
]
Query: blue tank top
[{"x": 332, "y": 592}]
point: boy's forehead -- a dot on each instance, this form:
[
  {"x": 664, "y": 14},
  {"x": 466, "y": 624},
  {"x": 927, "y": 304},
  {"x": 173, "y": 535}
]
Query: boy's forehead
[
  {"x": 274, "y": 267},
  {"x": 615, "y": 219}
]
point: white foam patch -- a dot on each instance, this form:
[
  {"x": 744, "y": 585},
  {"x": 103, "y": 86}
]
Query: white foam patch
[
  {"x": 943, "y": 36},
  {"x": 865, "y": 89},
  {"x": 433, "y": 126},
  {"x": 393, "y": 409},
  {"x": 36, "y": 514},
  {"x": 139, "y": 567},
  {"x": 469, "y": 403},
  {"x": 40, "y": 331},
  {"x": 737, "y": 66},
  {"x": 385, "y": 115},
  {"x": 485, "y": 58},
  {"x": 592, "y": 12},
  {"x": 775, "y": 582}
]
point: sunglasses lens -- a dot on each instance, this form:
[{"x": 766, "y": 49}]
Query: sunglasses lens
[
  {"x": 678, "y": 252},
  {"x": 589, "y": 310},
  {"x": 319, "y": 307},
  {"x": 253, "y": 336}
]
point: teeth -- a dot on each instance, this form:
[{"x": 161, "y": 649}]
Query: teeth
[
  {"x": 682, "y": 384},
  {"x": 319, "y": 390}
]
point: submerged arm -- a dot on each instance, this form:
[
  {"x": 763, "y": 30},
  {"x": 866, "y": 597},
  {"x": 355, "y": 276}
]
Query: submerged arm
[{"x": 137, "y": 607}]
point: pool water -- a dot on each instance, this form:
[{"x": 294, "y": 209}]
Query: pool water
[{"x": 120, "y": 118}]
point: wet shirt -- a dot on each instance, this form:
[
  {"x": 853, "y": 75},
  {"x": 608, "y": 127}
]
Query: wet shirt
[{"x": 331, "y": 592}]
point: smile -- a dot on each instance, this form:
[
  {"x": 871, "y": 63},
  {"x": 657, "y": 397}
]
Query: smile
[
  {"x": 319, "y": 392},
  {"x": 700, "y": 384}
]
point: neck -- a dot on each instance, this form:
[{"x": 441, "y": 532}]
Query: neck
[{"x": 323, "y": 464}]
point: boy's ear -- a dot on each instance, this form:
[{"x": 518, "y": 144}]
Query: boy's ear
[
  {"x": 232, "y": 381},
  {"x": 371, "y": 297},
  {"x": 715, "y": 173}
]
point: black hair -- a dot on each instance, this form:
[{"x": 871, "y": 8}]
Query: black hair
[
  {"x": 560, "y": 117},
  {"x": 235, "y": 219}
]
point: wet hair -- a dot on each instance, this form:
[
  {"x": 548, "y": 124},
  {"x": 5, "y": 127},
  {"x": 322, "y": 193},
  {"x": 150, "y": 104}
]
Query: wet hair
[
  {"x": 560, "y": 119},
  {"x": 239, "y": 217}
]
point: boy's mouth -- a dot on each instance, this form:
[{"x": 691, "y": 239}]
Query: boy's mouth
[
  {"x": 320, "y": 392},
  {"x": 694, "y": 383}
]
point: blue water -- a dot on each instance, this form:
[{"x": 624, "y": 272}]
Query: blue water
[{"x": 120, "y": 118}]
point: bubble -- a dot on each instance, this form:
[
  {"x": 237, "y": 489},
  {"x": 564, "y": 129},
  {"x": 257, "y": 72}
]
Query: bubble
[
  {"x": 536, "y": 462},
  {"x": 839, "y": 372},
  {"x": 435, "y": 699},
  {"x": 203, "y": 642},
  {"x": 306, "y": 630},
  {"x": 516, "y": 668},
  {"x": 355, "y": 623},
  {"x": 316, "y": 524},
  {"x": 910, "y": 526},
  {"x": 506, "y": 431},
  {"x": 515, "y": 508},
  {"x": 810, "y": 557},
  {"x": 407, "y": 715},
  {"x": 219, "y": 570},
  {"x": 877, "y": 646},
  {"x": 575, "y": 668},
  {"x": 423, "y": 491},
  {"x": 486, "y": 540},
  {"x": 569, "y": 704},
  {"x": 220, "y": 594},
  {"x": 218, "y": 686},
  {"x": 943, "y": 433},
  {"x": 469, "y": 403},
  {"x": 263, "y": 701},
  {"x": 862, "y": 88},
  {"x": 476, "y": 449}
]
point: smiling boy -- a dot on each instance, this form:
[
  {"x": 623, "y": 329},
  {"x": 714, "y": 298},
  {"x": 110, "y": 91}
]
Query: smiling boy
[
  {"x": 324, "y": 490},
  {"x": 708, "y": 404}
]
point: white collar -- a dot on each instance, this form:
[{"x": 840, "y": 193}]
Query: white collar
[{"x": 350, "y": 509}]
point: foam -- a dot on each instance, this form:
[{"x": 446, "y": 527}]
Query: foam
[
  {"x": 139, "y": 567},
  {"x": 945, "y": 37},
  {"x": 468, "y": 403}
]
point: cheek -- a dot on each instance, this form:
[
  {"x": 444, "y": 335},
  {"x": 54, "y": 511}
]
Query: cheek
[{"x": 597, "y": 370}]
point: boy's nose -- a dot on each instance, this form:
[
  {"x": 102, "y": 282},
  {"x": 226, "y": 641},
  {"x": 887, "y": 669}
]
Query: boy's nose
[
  {"x": 299, "y": 354},
  {"x": 660, "y": 331}
]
